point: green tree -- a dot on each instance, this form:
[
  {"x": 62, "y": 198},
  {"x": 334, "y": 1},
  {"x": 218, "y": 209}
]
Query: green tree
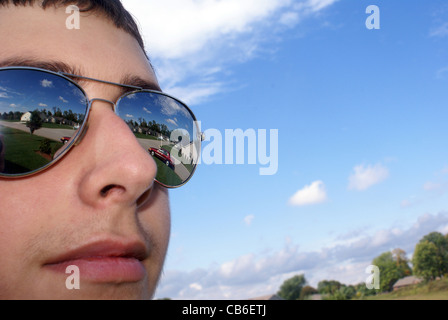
[
  {"x": 392, "y": 268},
  {"x": 35, "y": 122},
  {"x": 57, "y": 112},
  {"x": 343, "y": 293},
  {"x": 426, "y": 260},
  {"x": 349, "y": 292},
  {"x": 441, "y": 244},
  {"x": 17, "y": 115},
  {"x": 328, "y": 287},
  {"x": 362, "y": 290},
  {"x": 45, "y": 146},
  {"x": 306, "y": 292},
  {"x": 401, "y": 262},
  {"x": 291, "y": 288}
]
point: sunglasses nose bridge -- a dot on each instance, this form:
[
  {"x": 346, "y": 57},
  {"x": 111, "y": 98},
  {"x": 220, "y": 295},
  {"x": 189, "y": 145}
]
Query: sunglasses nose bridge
[
  {"x": 84, "y": 130},
  {"x": 103, "y": 100}
]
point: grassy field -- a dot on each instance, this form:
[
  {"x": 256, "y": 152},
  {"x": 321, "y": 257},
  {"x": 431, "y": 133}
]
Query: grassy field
[
  {"x": 22, "y": 150},
  {"x": 169, "y": 175},
  {"x": 434, "y": 290}
]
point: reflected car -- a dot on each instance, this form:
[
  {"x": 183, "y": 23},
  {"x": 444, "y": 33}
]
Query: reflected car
[
  {"x": 65, "y": 140},
  {"x": 163, "y": 155}
]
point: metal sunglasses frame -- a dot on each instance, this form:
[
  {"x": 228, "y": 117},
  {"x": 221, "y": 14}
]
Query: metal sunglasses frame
[{"x": 77, "y": 138}]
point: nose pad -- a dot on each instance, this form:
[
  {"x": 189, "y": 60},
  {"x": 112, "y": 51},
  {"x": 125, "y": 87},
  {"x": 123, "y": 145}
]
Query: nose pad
[
  {"x": 86, "y": 120},
  {"x": 82, "y": 134},
  {"x": 78, "y": 135}
]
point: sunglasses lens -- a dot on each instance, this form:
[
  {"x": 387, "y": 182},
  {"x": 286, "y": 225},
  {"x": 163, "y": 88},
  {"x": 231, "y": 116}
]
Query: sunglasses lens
[
  {"x": 40, "y": 113},
  {"x": 167, "y": 129}
]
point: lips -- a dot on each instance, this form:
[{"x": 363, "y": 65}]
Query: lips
[{"x": 104, "y": 261}]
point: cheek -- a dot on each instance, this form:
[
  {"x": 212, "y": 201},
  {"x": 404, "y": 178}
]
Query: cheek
[
  {"x": 18, "y": 212},
  {"x": 22, "y": 219},
  {"x": 27, "y": 209},
  {"x": 155, "y": 220}
]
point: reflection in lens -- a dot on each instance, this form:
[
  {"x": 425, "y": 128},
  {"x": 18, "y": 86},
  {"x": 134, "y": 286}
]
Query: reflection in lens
[
  {"x": 39, "y": 114},
  {"x": 167, "y": 130},
  {"x": 2, "y": 157}
]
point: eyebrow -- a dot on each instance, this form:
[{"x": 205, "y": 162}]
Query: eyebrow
[{"x": 128, "y": 81}]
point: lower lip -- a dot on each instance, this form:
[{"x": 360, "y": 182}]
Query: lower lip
[{"x": 103, "y": 269}]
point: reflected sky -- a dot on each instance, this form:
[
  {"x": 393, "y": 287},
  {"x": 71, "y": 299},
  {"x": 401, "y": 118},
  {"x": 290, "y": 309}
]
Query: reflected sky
[
  {"x": 28, "y": 90},
  {"x": 155, "y": 107}
]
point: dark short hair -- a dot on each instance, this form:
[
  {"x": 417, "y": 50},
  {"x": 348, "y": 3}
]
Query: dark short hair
[{"x": 111, "y": 9}]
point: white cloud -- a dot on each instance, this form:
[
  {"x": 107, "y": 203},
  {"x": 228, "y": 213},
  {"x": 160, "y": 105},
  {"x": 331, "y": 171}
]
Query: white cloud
[
  {"x": 63, "y": 100},
  {"x": 13, "y": 105},
  {"x": 192, "y": 42},
  {"x": 43, "y": 105},
  {"x": 6, "y": 93},
  {"x": 131, "y": 96},
  {"x": 440, "y": 31},
  {"x": 312, "y": 194},
  {"x": 249, "y": 219},
  {"x": 196, "y": 286},
  {"x": 46, "y": 83},
  {"x": 176, "y": 28},
  {"x": 289, "y": 19},
  {"x": 254, "y": 275},
  {"x": 316, "y": 5},
  {"x": 364, "y": 177},
  {"x": 171, "y": 121},
  {"x": 443, "y": 229},
  {"x": 197, "y": 92}
]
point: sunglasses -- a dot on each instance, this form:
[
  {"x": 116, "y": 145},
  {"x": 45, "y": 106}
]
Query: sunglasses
[{"x": 43, "y": 114}]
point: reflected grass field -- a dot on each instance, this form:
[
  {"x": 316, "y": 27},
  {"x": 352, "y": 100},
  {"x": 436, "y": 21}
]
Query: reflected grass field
[
  {"x": 171, "y": 176},
  {"x": 22, "y": 150},
  {"x": 22, "y": 154}
]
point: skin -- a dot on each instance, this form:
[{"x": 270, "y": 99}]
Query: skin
[{"x": 102, "y": 189}]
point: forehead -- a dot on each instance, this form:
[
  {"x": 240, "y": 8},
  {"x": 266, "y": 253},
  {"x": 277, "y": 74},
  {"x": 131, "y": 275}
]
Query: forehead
[{"x": 97, "y": 48}]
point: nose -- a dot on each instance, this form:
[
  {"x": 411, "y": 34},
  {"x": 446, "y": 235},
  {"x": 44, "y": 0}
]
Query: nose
[{"x": 117, "y": 170}]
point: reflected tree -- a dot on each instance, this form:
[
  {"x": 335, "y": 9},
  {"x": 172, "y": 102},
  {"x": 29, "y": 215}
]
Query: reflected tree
[{"x": 35, "y": 122}]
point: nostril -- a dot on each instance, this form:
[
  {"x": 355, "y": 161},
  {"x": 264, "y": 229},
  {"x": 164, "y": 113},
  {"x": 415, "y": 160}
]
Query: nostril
[{"x": 108, "y": 189}]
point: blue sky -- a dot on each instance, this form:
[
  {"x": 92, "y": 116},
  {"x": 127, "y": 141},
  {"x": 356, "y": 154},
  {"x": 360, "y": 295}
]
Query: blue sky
[
  {"x": 41, "y": 93},
  {"x": 361, "y": 119}
]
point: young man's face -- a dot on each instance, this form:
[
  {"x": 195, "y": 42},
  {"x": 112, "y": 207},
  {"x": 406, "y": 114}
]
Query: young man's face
[{"x": 97, "y": 208}]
